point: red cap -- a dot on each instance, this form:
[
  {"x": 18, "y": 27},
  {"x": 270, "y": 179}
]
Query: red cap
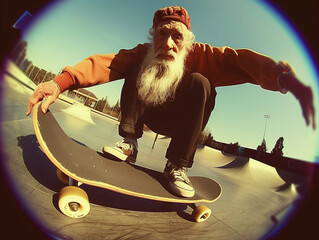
[{"x": 174, "y": 13}]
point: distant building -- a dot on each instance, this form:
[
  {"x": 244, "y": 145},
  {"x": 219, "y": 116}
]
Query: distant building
[
  {"x": 29, "y": 69},
  {"x": 38, "y": 75},
  {"x": 83, "y": 96},
  {"x": 26, "y": 65},
  {"x": 33, "y": 72},
  {"x": 49, "y": 76}
]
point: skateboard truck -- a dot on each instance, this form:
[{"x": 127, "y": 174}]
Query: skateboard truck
[{"x": 73, "y": 182}]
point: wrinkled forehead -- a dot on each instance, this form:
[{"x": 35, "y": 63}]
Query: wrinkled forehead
[{"x": 172, "y": 26}]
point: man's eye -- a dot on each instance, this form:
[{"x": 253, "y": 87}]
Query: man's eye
[
  {"x": 178, "y": 36},
  {"x": 162, "y": 33}
]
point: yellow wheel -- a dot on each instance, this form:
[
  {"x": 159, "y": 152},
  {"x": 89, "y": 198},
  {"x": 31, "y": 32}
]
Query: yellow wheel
[
  {"x": 74, "y": 202},
  {"x": 201, "y": 213},
  {"x": 63, "y": 178}
]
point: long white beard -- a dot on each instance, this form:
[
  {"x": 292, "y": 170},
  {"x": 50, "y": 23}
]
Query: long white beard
[{"x": 159, "y": 79}]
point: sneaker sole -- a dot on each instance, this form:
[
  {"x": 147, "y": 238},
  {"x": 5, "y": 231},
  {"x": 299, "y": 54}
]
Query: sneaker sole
[
  {"x": 180, "y": 191},
  {"x": 115, "y": 153}
]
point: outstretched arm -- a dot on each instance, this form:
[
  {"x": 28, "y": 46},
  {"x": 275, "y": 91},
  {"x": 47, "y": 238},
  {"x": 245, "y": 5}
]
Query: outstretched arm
[{"x": 226, "y": 66}]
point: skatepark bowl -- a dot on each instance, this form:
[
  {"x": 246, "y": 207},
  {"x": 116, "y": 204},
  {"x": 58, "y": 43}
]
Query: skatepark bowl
[{"x": 255, "y": 200}]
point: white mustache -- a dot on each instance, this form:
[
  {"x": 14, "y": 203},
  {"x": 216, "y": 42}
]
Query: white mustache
[{"x": 168, "y": 53}]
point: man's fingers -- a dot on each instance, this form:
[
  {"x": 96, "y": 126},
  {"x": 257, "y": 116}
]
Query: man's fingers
[
  {"x": 34, "y": 99},
  {"x": 47, "y": 102},
  {"x": 309, "y": 115},
  {"x": 313, "y": 123},
  {"x": 313, "y": 118},
  {"x": 29, "y": 108},
  {"x": 307, "y": 106}
]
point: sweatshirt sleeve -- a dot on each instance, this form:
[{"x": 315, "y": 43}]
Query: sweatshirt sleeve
[
  {"x": 98, "y": 69},
  {"x": 226, "y": 66}
]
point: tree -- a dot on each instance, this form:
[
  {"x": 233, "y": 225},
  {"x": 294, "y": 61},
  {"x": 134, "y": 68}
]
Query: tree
[
  {"x": 262, "y": 147},
  {"x": 205, "y": 137},
  {"x": 277, "y": 150},
  {"x": 117, "y": 107},
  {"x": 102, "y": 105}
]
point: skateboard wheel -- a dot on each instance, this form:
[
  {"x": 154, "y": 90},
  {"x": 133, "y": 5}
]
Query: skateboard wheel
[
  {"x": 201, "y": 213},
  {"x": 74, "y": 202},
  {"x": 63, "y": 178}
]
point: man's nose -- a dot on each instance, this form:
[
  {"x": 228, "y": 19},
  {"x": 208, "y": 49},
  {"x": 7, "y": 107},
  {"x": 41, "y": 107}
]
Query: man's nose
[{"x": 169, "y": 43}]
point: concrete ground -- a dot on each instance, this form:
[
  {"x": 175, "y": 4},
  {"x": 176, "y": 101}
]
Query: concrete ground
[{"x": 255, "y": 199}]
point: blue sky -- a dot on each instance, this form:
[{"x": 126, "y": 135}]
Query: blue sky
[{"x": 69, "y": 31}]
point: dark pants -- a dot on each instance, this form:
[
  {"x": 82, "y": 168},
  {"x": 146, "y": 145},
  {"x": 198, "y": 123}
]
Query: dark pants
[{"x": 182, "y": 119}]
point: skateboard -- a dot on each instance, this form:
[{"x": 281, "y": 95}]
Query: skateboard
[{"x": 77, "y": 164}]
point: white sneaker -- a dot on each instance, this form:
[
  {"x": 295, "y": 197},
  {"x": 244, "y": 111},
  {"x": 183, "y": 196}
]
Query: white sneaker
[
  {"x": 179, "y": 183},
  {"x": 123, "y": 150}
]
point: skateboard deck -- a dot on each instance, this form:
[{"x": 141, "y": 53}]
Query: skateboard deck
[{"x": 81, "y": 164}]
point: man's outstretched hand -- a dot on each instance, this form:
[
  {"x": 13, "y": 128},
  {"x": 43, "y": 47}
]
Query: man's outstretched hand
[
  {"x": 303, "y": 94},
  {"x": 308, "y": 109},
  {"x": 49, "y": 91}
]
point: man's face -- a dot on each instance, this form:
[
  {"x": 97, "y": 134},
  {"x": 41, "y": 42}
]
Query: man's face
[
  {"x": 168, "y": 41},
  {"x": 164, "y": 64}
]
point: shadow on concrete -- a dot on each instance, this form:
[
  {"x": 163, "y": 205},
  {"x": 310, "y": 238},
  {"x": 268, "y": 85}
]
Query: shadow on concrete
[
  {"x": 37, "y": 163},
  {"x": 236, "y": 163}
]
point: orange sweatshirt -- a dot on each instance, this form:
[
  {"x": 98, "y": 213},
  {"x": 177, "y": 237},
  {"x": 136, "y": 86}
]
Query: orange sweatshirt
[{"x": 222, "y": 66}]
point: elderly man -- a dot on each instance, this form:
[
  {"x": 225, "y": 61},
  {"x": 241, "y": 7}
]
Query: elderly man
[{"x": 170, "y": 86}]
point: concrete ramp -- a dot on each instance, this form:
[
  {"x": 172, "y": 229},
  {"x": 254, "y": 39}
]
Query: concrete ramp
[
  {"x": 243, "y": 170},
  {"x": 213, "y": 156},
  {"x": 264, "y": 175},
  {"x": 79, "y": 111},
  {"x": 258, "y": 174}
]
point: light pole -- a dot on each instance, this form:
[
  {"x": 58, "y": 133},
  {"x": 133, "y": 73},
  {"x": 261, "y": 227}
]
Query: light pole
[{"x": 266, "y": 116}]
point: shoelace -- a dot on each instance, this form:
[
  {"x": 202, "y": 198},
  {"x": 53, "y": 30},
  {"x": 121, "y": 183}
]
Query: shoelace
[
  {"x": 123, "y": 145},
  {"x": 180, "y": 173}
]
